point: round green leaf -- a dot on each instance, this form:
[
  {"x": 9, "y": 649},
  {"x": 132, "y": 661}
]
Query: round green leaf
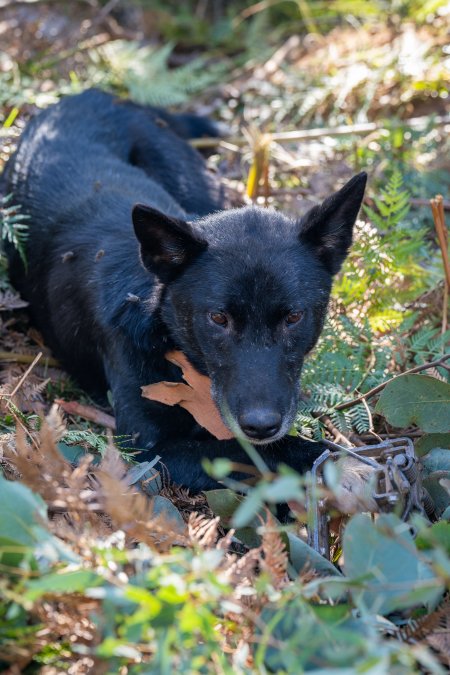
[
  {"x": 416, "y": 399},
  {"x": 383, "y": 555},
  {"x": 429, "y": 442}
]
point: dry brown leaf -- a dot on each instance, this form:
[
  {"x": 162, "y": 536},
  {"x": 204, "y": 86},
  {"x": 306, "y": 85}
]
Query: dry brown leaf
[
  {"x": 195, "y": 396},
  {"x": 129, "y": 509},
  {"x": 10, "y": 300},
  {"x": 275, "y": 557},
  {"x": 203, "y": 531}
]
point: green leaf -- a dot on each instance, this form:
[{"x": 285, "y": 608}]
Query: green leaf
[
  {"x": 303, "y": 557},
  {"x": 23, "y": 522},
  {"x": 146, "y": 476},
  {"x": 416, "y": 399},
  {"x": 437, "y": 459},
  {"x": 434, "y": 464},
  {"x": 446, "y": 514},
  {"x": 20, "y": 510},
  {"x": 384, "y": 556},
  {"x": 282, "y": 489},
  {"x": 72, "y": 581},
  {"x": 73, "y": 453},
  {"x": 224, "y": 503},
  {"x": 430, "y": 441},
  {"x": 436, "y": 535},
  {"x": 161, "y": 506},
  {"x": 248, "y": 508}
]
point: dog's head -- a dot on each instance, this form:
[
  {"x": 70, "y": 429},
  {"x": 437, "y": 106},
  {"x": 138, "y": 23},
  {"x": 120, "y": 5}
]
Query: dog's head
[{"x": 245, "y": 297}]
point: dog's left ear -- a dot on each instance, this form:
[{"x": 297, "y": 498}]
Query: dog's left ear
[{"x": 328, "y": 228}]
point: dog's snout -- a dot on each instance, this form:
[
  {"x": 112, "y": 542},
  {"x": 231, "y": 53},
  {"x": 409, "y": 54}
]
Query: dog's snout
[{"x": 260, "y": 423}]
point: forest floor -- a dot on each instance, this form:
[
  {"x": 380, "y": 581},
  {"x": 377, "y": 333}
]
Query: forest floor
[{"x": 301, "y": 112}]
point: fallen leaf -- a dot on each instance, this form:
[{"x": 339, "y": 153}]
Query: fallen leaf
[{"x": 195, "y": 396}]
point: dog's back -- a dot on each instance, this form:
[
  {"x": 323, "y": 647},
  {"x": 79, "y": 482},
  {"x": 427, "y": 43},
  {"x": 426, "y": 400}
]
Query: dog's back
[
  {"x": 90, "y": 142},
  {"x": 80, "y": 167}
]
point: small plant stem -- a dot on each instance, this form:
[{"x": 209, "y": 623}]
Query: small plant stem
[
  {"x": 25, "y": 375},
  {"x": 27, "y": 358},
  {"x": 312, "y": 134},
  {"x": 380, "y": 387},
  {"x": 444, "y": 311},
  {"x": 338, "y": 435}
]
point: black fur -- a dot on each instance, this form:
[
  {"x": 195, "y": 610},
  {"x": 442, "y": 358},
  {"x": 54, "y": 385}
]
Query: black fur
[{"x": 243, "y": 293}]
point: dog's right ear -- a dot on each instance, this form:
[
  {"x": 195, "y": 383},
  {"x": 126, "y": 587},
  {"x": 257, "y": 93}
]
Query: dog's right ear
[
  {"x": 168, "y": 245},
  {"x": 328, "y": 228}
]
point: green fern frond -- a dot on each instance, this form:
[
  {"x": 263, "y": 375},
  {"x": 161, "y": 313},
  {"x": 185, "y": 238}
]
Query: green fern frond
[
  {"x": 388, "y": 253},
  {"x": 87, "y": 438},
  {"x": 144, "y": 73},
  {"x": 392, "y": 204},
  {"x": 13, "y": 225},
  {"x": 359, "y": 418}
]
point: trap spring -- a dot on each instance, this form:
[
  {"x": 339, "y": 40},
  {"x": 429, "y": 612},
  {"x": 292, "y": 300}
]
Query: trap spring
[{"x": 397, "y": 485}]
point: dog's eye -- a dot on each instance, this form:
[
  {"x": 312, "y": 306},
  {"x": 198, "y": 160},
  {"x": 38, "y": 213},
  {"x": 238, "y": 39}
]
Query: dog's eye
[
  {"x": 219, "y": 318},
  {"x": 293, "y": 317}
]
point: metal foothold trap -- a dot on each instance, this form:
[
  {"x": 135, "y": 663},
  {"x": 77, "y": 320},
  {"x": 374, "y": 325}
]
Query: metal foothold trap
[{"x": 397, "y": 485}]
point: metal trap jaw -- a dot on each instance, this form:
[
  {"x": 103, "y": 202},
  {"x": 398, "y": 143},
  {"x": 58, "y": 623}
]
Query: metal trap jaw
[{"x": 396, "y": 480}]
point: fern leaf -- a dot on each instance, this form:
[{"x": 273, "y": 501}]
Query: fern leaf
[{"x": 13, "y": 225}]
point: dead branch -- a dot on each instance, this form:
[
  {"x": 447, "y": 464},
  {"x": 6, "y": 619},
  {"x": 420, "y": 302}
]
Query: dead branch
[
  {"x": 313, "y": 134},
  {"x": 437, "y": 208},
  {"x": 380, "y": 387},
  {"x": 87, "y": 412}
]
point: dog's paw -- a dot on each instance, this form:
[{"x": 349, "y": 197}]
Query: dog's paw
[{"x": 354, "y": 489}]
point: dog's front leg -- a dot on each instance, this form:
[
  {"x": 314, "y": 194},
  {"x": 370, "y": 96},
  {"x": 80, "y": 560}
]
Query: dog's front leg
[{"x": 183, "y": 458}]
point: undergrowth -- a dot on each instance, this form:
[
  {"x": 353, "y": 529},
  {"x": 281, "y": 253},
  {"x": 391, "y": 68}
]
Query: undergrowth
[
  {"x": 13, "y": 227},
  {"x": 104, "y": 568},
  {"x": 373, "y": 331}
]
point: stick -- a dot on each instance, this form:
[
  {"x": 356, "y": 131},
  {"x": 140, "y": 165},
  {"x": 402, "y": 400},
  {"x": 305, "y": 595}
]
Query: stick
[
  {"x": 312, "y": 134},
  {"x": 25, "y": 375},
  {"x": 380, "y": 387},
  {"x": 437, "y": 208},
  {"x": 27, "y": 358},
  {"x": 88, "y": 412},
  {"x": 426, "y": 202}
]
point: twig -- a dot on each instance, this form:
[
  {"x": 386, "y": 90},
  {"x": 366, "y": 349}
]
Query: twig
[
  {"x": 88, "y": 413},
  {"x": 411, "y": 434},
  {"x": 27, "y": 358},
  {"x": 106, "y": 9},
  {"x": 444, "y": 314},
  {"x": 437, "y": 208},
  {"x": 338, "y": 435},
  {"x": 380, "y": 387},
  {"x": 369, "y": 415},
  {"x": 313, "y": 134},
  {"x": 25, "y": 375},
  {"x": 426, "y": 202}
]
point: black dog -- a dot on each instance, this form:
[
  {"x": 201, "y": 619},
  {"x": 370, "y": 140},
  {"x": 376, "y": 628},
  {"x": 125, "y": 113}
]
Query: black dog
[{"x": 243, "y": 293}]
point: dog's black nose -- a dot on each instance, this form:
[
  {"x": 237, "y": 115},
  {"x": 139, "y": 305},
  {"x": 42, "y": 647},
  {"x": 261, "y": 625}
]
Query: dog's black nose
[{"x": 260, "y": 423}]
